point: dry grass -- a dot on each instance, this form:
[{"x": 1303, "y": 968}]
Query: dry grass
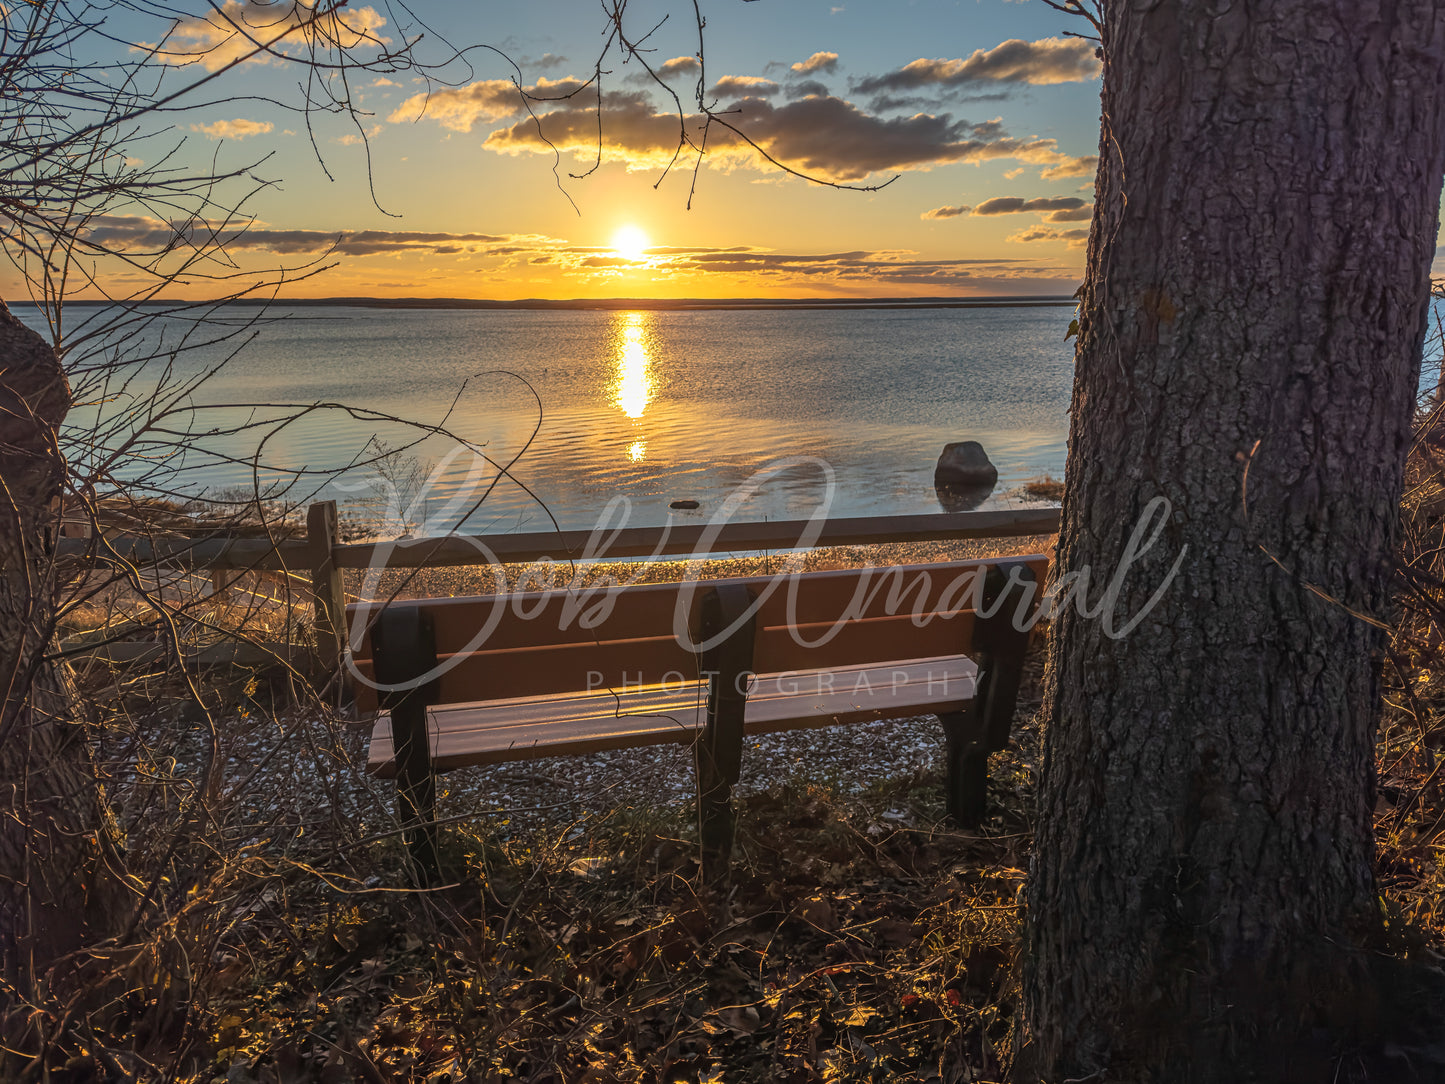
[
  {"x": 860, "y": 938},
  {"x": 1410, "y": 813}
]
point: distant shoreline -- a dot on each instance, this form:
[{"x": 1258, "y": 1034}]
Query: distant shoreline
[{"x": 620, "y": 303}]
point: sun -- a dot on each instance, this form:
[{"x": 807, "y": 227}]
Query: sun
[{"x": 630, "y": 243}]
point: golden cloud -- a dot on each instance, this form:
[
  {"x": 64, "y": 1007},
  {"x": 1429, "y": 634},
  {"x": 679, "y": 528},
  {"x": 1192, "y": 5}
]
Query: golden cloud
[
  {"x": 231, "y": 32},
  {"x": 822, "y": 135},
  {"x": 818, "y": 62},
  {"x": 744, "y": 86},
  {"x": 1012, "y": 205},
  {"x": 234, "y": 129},
  {"x": 1040, "y": 63},
  {"x": 1072, "y": 238},
  {"x": 1085, "y": 166},
  {"x": 678, "y": 65}
]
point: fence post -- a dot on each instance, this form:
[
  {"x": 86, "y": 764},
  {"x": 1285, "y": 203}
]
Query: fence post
[
  {"x": 221, "y": 580},
  {"x": 321, "y": 536}
]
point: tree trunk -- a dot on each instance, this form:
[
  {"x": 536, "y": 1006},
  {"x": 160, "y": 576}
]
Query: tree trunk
[
  {"x": 50, "y": 873},
  {"x": 1249, "y": 339}
]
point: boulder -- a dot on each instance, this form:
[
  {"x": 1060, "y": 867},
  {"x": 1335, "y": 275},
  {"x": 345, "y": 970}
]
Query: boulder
[{"x": 965, "y": 465}]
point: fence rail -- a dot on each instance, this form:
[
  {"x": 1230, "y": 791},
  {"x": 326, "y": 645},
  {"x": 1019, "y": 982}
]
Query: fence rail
[
  {"x": 320, "y": 556},
  {"x": 260, "y": 554}
]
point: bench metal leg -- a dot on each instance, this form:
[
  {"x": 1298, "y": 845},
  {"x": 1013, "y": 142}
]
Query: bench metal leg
[
  {"x": 966, "y": 780},
  {"x": 719, "y": 760},
  {"x": 719, "y": 751},
  {"x": 404, "y": 646},
  {"x": 999, "y": 643},
  {"x": 416, "y": 786}
]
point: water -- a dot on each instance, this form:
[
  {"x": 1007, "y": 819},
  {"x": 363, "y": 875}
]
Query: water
[{"x": 644, "y": 405}]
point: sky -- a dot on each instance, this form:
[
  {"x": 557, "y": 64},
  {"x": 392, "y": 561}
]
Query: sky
[{"x": 981, "y": 115}]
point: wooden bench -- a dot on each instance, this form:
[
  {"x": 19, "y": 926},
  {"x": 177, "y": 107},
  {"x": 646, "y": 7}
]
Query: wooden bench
[{"x": 480, "y": 680}]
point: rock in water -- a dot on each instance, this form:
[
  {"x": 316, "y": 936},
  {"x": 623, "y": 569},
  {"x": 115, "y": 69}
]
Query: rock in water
[{"x": 965, "y": 465}]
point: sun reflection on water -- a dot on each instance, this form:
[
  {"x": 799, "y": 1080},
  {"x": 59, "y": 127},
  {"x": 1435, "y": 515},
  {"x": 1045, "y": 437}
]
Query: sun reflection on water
[{"x": 632, "y": 382}]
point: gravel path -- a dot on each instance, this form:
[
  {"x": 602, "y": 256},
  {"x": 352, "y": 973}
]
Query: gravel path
[{"x": 559, "y": 790}]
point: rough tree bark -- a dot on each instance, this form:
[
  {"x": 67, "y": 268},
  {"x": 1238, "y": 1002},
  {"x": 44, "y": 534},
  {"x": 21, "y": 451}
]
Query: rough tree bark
[
  {"x": 51, "y": 876},
  {"x": 1249, "y": 334}
]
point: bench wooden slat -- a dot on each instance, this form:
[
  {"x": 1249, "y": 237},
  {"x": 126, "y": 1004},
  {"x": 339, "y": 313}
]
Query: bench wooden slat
[
  {"x": 646, "y": 609},
  {"x": 510, "y": 673},
  {"x": 522, "y": 728}
]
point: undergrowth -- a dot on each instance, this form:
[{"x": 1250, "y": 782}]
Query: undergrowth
[{"x": 859, "y": 937}]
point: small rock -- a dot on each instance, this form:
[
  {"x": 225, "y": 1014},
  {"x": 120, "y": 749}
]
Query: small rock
[
  {"x": 686, "y": 503},
  {"x": 965, "y": 464}
]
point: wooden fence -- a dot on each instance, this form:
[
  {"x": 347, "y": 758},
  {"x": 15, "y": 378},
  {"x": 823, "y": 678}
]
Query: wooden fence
[{"x": 318, "y": 557}]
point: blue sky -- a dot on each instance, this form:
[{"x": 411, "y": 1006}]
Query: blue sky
[{"x": 983, "y": 110}]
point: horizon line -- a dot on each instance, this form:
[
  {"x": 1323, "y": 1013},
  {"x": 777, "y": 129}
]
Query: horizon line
[{"x": 605, "y": 303}]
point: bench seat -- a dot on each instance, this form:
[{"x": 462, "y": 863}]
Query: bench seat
[{"x": 494, "y": 731}]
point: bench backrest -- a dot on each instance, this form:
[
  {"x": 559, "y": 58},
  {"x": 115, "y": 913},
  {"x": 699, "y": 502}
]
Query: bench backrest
[{"x": 546, "y": 643}]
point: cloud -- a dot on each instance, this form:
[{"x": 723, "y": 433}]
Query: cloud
[
  {"x": 744, "y": 86},
  {"x": 227, "y": 34},
  {"x": 137, "y": 233},
  {"x": 1041, "y": 63},
  {"x": 353, "y": 139},
  {"x": 807, "y": 87},
  {"x": 893, "y": 103},
  {"x": 818, "y": 62},
  {"x": 234, "y": 129},
  {"x": 1072, "y": 238},
  {"x": 1012, "y": 205},
  {"x": 823, "y": 135},
  {"x": 1055, "y": 208},
  {"x": 860, "y": 271},
  {"x": 459, "y": 108},
  {"x": 1085, "y": 166},
  {"x": 679, "y": 65}
]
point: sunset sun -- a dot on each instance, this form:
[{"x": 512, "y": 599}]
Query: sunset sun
[{"x": 630, "y": 243}]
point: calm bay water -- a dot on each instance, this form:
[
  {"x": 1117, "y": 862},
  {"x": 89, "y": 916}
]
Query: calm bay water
[{"x": 645, "y": 405}]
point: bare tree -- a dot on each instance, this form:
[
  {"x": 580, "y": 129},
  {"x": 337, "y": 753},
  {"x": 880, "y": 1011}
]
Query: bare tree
[
  {"x": 1250, "y": 328},
  {"x": 83, "y": 99}
]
